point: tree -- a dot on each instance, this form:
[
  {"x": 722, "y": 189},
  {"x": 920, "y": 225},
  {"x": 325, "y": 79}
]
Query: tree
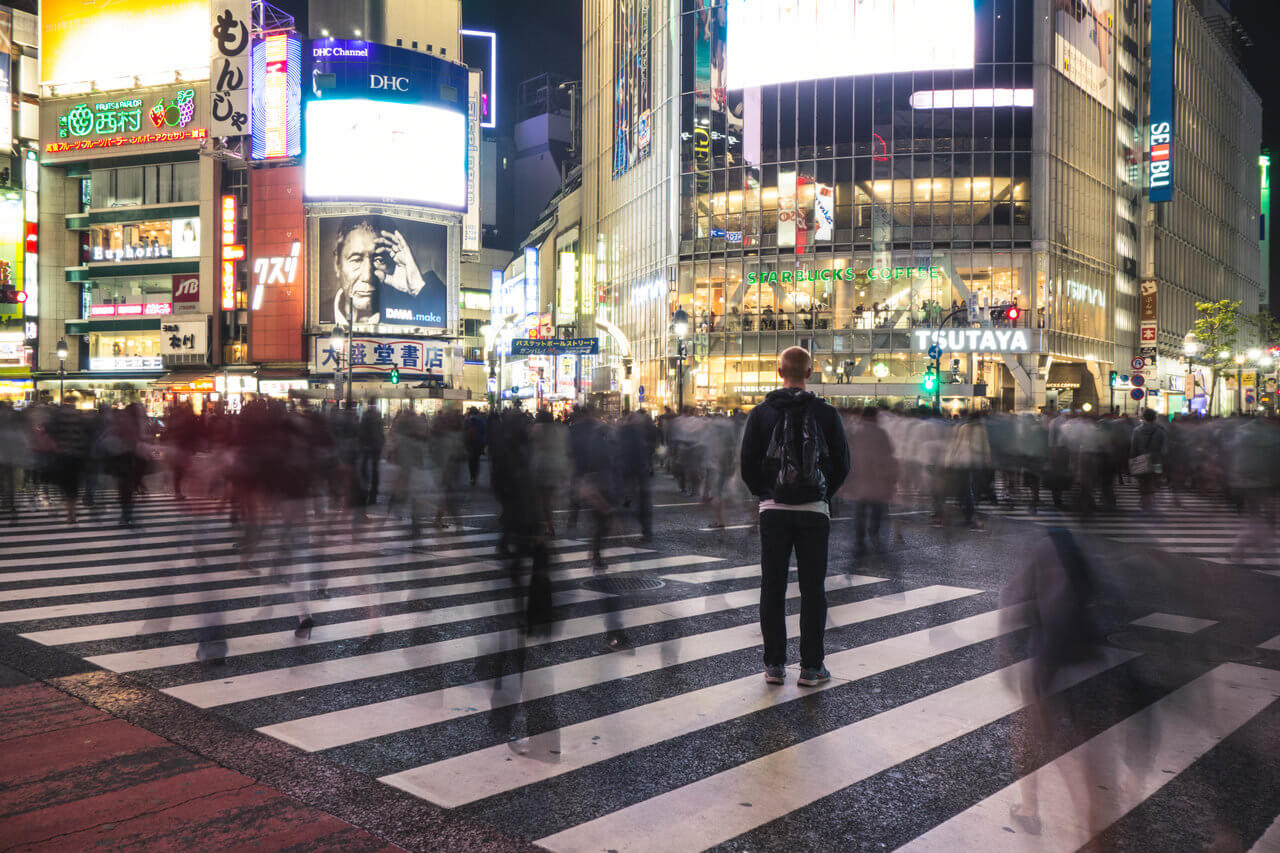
[{"x": 1217, "y": 329}]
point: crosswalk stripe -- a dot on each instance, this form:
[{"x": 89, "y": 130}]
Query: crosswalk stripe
[
  {"x": 381, "y": 540},
  {"x": 710, "y": 811},
  {"x": 83, "y": 562},
  {"x": 152, "y": 581},
  {"x": 273, "y": 682},
  {"x": 476, "y": 775},
  {"x": 257, "y": 613},
  {"x": 337, "y": 728},
  {"x": 734, "y": 573},
  {"x": 1271, "y": 645},
  {"x": 1191, "y": 720},
  {"x": 86, "y": 608},
  {"x": 1269, "y": 841},
  {"x": 163, "y": 656},
  {"x": 205, "y": 535}
]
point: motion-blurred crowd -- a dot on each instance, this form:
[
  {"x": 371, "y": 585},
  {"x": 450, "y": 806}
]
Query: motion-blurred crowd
[{"x": 601, "y": 468}]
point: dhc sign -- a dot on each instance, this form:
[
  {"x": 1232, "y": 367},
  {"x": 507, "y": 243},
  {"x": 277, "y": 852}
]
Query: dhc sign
[
  {"x": 1160, "y": 152},
  {"x": 973, "y": 340}
]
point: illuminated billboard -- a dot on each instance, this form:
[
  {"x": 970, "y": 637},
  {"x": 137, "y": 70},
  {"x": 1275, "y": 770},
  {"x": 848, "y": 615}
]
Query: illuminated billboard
[
  {"x": 776, "y": 41},
  {"x": 382, "y": 270},
  {"x": 385, "y": 124},
  {"x": 82, "y": 126},
  {"x": 379, "y": 150},
  {"x": 276, "y": 107},
  {"x": 111, "y": 43},
  {"x": 1160, "y": 150},
  {"x": 1083, "y": 46}
]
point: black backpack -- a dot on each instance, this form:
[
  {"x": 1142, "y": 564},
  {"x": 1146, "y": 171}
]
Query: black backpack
[{"x": 795, "y": 454}]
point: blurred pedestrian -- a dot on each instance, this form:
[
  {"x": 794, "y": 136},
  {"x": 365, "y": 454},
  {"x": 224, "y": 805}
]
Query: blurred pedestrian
[
  {"x": 872, "y": 482},
  {"x": 1146, "y": 455}
]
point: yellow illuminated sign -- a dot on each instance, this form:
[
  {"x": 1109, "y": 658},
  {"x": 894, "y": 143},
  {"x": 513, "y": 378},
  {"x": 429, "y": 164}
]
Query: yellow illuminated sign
[
  {"x": 112, "y": 42},
  {"x": 567, "y": 302}
]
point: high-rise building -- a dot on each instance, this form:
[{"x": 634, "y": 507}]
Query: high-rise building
[{"x": 876, "y": 180}]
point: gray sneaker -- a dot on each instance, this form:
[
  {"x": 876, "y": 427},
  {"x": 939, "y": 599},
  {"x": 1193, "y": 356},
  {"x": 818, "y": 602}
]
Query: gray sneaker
[
  {"x": 813, "y": 677},
  {"x": 774, "y": 675}
]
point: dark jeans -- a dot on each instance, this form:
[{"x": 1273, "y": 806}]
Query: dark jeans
[
  {"x": 868, "y": 516},
  {"x": 473, "y": 465},
  {"x": 806, "y": 533}
]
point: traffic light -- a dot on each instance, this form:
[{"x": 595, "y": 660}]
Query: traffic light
[
  {"x": 12, "y": 296},
  {"x": 1115, "y": 378},
  {"x": 1003, "y": 313},
  {"x": 930, "y": 381},
  {"x": 395, "y": 376}
]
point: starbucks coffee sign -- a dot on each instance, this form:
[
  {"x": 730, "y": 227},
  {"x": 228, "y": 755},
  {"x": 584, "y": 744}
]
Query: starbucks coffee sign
[
  {"x": 873, "y": 274},
  {"x": 976, "y": 340}
]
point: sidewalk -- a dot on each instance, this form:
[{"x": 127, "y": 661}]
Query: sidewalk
[{"x": 73, "y": 777}]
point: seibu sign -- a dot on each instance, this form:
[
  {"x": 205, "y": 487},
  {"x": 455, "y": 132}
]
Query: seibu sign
[{"x": 975, "y": 340}]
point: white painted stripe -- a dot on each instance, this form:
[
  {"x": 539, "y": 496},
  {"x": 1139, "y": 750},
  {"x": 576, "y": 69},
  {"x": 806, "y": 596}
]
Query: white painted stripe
[
  {"x": 482, "y": 552},
  {"x": 731, "y": 573},
  {"x": 710, "y": 811},
  {"x": 224, "y": 691},
  {"x": 87, "y": 562},
  {"x": 280, "y": 640},
  {"x": 1275, "y": 574},
  {"x": 55, "y": 611},
  {"x": 196, "y": 621},
  {"x": 1191, "y": 721},
  {"x": 153, "y": 581},
  {"x": 163, "y": 564},
  {"x": 349, "y": 725},
  {"x": 1269, "y": 842},
  {"x": 1271, "y": 645},
  {"x": 1174, "y": 622},
  {"x": 486, "y": 772},
  {"x": 1244, "y": 561}
]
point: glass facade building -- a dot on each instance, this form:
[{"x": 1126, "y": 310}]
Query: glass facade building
[{"x": 1004, "y": 169}]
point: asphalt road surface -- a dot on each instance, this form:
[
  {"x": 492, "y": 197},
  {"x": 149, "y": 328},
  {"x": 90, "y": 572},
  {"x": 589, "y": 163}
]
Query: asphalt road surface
[{"x": 416, "y": 710}]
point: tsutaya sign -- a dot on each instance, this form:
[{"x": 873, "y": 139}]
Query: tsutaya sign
[
  {"x": 873, "y": 274},
  {"x": 975, "y": 340}
]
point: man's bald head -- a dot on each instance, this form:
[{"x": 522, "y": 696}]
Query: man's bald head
[{"x": 795, "y": 365}]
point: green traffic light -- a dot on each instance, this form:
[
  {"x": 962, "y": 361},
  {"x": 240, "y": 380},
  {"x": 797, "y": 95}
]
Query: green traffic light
[
  {"x": 395, "y": 376},
  {"x": 929, "y": 381}
]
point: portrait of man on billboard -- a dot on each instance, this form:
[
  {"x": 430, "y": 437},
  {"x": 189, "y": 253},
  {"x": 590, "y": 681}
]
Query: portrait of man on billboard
[{"x": 384, "y": 271}]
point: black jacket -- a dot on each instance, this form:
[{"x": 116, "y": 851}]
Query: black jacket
[{"x": 759, "y": 429}]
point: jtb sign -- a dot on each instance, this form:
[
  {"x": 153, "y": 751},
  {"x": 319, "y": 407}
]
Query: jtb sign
[
  {"x": 1161, "y": 151},
  {"x": 975, "y": 340}
]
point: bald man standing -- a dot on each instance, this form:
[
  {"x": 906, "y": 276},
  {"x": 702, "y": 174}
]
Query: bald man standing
[{"x": 794, "y": 458}]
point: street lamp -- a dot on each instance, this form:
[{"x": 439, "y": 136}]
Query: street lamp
[
  {"x": 1239, "y": 375},
  {"x": 341, "y": 344},
  {"x": 680, "y": 325},
  {"x": 62, "y": 372},
  {"x": 1191, "y": 345}
]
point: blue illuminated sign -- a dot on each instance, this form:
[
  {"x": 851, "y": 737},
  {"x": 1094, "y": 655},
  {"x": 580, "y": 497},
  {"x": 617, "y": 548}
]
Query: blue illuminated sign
[{"x": 1160, "y": 151}]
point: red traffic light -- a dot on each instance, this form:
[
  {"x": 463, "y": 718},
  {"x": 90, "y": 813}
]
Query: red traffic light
[
  {"x": 1012, "y": 313},
  {"x": 21, "y": 296}
]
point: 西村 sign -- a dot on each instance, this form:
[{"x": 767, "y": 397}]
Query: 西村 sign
[
  {"x": 86, "y": 125},
  {"x": 975, "y": 340},
  {"x": 872, "y": 274},
  {"x": 552, "y": 346}
]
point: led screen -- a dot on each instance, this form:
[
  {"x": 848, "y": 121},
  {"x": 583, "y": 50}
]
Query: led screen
[
  {"x": 371, "y": 150},
  {"x": 775, "y": 41},
  {"x": 83, "y": 40}
]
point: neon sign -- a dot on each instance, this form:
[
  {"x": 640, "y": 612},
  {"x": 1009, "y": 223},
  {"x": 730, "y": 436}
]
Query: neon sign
[
  {"x": 973, "y": 340},
  {"x": 873, "y": 274},
  {"x": 231, "y": 252},
  {"x": 125, "y": 116},
  {"x": 117, "y": 141},
  {"x": 275, "y": 116}
]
